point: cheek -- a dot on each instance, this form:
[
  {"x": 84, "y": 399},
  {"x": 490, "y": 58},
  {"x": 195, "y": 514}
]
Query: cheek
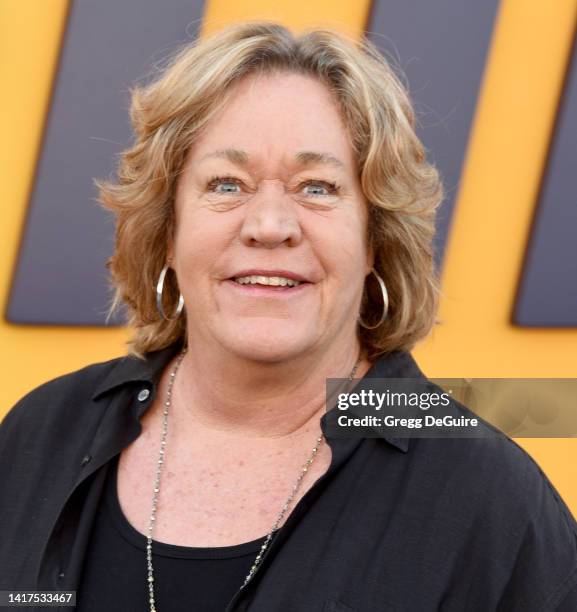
[
  {"x": 342, "y": 247},
  {"x": 202, "y": 244},
  {"x": 200, "y": 237}
]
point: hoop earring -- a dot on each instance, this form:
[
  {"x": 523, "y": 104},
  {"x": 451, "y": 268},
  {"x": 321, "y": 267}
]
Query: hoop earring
[
  {"x": 385, "y": 304},
  {"x": 159, "y": 290}
]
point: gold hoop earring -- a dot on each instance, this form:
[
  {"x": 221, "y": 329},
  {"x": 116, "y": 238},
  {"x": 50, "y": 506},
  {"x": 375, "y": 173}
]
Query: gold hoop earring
[
  {"x": 159, "y": 290},
  {"x": 385, "y": 304}
]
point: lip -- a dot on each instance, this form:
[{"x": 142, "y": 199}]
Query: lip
[
  {"x": 278, "y": 292},
  {"x": 260, "y": 272}
]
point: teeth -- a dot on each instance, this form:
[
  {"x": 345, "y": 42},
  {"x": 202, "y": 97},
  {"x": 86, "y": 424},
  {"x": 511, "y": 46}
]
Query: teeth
[{"x": 274, "y": 281}]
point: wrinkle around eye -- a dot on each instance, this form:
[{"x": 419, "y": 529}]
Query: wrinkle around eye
[
  {"x": 230, "y": 202},
  {"x": 224, "y": 205},
  {"x": 325, "y": 203}
]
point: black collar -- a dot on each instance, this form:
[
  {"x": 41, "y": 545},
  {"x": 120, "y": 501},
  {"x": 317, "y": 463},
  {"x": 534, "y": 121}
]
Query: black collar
[{"x": 129, "y": 369}]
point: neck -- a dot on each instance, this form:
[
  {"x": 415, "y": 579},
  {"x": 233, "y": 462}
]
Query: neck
[{"x": 238, "y": 396}]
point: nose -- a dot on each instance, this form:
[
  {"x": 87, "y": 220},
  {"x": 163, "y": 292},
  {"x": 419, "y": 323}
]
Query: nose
[{"x": 271, "y": 218}]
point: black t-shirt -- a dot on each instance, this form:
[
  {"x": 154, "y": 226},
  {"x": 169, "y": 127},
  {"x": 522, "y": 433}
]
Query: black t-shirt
[{"x": 186, "y": 578}]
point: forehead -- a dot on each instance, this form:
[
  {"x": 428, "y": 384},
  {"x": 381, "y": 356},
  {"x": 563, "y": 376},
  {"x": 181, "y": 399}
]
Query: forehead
[{"x": 284, "y": 117}]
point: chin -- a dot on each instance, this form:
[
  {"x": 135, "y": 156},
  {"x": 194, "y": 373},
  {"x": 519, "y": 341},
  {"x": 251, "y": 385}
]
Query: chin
[{"x": 268, "y": 341}]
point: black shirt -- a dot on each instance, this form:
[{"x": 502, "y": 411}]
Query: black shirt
[
  {"x": 395, "y": 524},
  {"x": 187, "y": 578}
]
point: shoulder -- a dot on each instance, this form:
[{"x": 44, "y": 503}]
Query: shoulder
[
  {"x": 545, "y": 569},
  {"x": 56, "y": 397},
  {"x": 491, "y": 461},
  {"x": 498, "y": 475},
  {"x": 506, "y": 508},
  {"x": 511, "y": 473}
]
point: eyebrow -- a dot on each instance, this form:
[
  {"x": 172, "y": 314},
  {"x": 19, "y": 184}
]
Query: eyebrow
[{"x": 302, "y": 158}]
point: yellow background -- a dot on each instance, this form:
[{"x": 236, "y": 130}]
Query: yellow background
[{"x": 504, "y": 162}]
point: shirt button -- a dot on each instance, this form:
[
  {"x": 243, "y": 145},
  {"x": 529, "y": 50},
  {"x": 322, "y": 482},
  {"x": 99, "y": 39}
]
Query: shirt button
[
  {"x": 143, "y": 395},
  {"x": 86, "y": 459},
  {"x": 60, "y": 575}
]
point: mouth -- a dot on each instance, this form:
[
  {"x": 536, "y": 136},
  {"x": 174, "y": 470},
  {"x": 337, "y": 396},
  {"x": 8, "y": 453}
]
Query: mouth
[{"x": 267, "y": 285}]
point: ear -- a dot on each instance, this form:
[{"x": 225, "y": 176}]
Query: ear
[
  {"x": 370, "y": 259},
  {"x": 169, "y": 253},
  {"x": 169, "y": 241}
]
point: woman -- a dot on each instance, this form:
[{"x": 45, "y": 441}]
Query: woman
[{"x": 274, "y": 224}]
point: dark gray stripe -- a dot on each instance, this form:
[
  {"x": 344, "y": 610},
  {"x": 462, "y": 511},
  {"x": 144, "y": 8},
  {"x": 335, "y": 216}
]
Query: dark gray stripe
[
  {"x": 547, "y": 294},
  {"x": 60, "y": 277},
  {"x": 441, "y": 47}
]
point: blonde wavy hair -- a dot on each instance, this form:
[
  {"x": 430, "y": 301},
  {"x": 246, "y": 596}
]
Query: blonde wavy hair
[{"x": 401, "y": 188}]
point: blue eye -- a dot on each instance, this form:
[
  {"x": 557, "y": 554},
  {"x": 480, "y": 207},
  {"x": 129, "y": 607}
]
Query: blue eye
[
  {"x": 332, "y": 188},
  {"x": 215, "y": 181}
]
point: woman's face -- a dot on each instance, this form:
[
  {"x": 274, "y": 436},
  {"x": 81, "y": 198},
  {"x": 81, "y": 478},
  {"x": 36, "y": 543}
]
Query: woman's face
[{"x": 271, "y": 190}]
